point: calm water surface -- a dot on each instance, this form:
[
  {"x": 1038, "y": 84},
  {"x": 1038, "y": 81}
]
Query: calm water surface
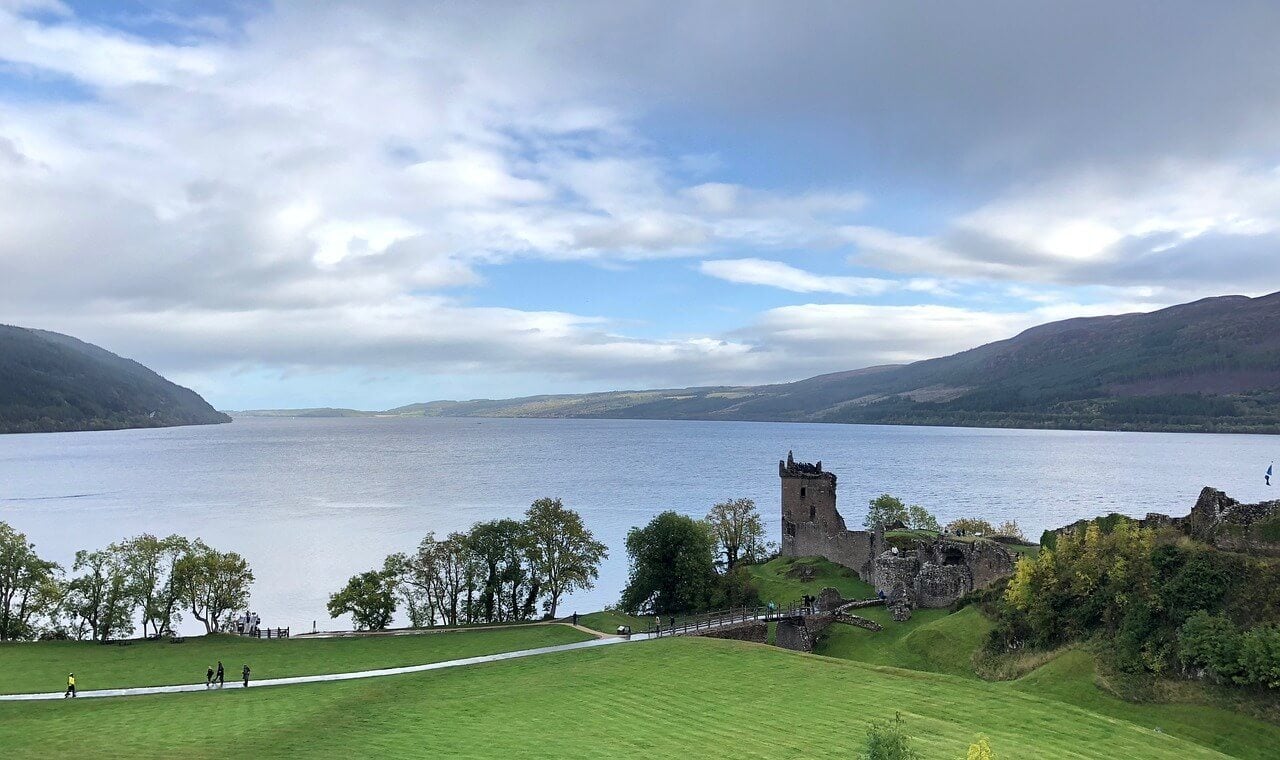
[{"x": 312, "y": 501}]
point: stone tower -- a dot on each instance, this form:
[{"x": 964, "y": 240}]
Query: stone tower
[{"x": 808, "y": 499}]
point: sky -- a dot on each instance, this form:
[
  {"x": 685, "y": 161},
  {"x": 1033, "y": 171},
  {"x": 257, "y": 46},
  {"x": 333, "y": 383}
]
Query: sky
[{"x": 314, "y": 203}]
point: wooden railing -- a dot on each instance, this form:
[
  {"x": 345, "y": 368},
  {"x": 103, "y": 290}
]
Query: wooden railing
[
  {"x": 706, "y": 621},
  {"x": 267, "y": 633}
]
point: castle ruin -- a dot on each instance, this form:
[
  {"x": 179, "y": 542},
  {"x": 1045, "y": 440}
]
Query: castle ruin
[{"x": 934, "y": 574}]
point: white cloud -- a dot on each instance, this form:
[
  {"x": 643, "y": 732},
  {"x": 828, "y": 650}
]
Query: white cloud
[{"x": 777, "y": 274}]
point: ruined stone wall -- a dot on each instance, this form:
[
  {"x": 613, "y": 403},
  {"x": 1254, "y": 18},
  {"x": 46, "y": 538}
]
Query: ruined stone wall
[
  {"x": 1219, "y": 520},
  {"x": 812, "y": 526}
]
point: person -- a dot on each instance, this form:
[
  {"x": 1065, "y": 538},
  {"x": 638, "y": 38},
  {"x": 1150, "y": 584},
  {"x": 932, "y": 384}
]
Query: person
[
  {"x": 245, "y": 674},
  {"x": 221, "y": 675},
  {"x": 575, "y": 618},
  {"x": 71, "y": 686},
  {"x": 208, "y": 677}
]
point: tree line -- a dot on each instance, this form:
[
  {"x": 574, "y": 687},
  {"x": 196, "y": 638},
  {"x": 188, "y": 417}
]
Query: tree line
[
  {"x": 498, "y": 571},
  {"x": 108, "y": 592}
]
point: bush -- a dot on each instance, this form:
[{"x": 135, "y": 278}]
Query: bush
[
  {"x": 1209, "y": 642},
  {"x": 888, "y": 741},
  {"x": 980, "y": 749},
  {"x": 1259, "y": 657}
]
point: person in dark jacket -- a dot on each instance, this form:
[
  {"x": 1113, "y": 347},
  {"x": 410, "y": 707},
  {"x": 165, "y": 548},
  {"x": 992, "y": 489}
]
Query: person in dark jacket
[
  {"x": 221, "y": 676},
  {"x": 245, "y": 674},
  {"x": 208, "y": 677}
]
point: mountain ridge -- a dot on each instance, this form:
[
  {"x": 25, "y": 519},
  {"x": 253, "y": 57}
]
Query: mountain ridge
[
  {"x": 50, "y": 382},
  {"x": 1211, "y": 365}
]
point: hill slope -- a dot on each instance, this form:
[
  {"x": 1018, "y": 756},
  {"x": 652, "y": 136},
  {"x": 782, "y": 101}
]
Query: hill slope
[
  {"x": 1209, "y": 365},
  {"x": 51, "y": 382}
]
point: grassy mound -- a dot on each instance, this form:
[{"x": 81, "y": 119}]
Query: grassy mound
[
  {"x": 786, "y": 579},
  {"x": 668, "y": 698},
  {"x": 607, "y": 621},
  {"x": 43, "y": 666},
  {"x": 932, "y": 640}
]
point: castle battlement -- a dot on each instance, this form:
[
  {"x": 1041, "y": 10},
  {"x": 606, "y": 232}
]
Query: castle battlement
[{"x": 790, "y": 468}]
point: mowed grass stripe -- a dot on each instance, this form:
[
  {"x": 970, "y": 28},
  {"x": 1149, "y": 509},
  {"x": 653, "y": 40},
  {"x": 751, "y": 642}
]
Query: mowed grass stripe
[
  {"x": 681, "y": 697},
  {"x": 43, "y": 666}
]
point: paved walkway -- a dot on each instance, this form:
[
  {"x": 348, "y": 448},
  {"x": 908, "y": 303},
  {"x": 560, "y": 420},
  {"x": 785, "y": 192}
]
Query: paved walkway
[{"x": 136, "y": 691}]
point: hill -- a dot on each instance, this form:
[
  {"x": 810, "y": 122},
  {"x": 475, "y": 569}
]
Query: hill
[
  {"x": 1210, "y": 365},
  {"x": 51, "y": 383}
]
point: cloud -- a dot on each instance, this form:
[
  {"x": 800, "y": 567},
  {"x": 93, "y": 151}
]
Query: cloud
[
  {"x": 777, "y": 274},
  {"x": 324, "y": 185}
]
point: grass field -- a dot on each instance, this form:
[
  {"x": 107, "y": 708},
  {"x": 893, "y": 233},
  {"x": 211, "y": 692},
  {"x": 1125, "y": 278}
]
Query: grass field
[
  {"x": 43, "y": 666},
  {"x": 669, "y": 698}
]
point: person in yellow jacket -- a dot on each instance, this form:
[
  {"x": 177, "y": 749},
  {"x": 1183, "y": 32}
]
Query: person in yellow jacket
[{"x": 71, "y": 686}]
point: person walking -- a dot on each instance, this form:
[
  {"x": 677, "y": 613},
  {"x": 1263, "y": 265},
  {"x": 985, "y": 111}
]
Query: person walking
[
  {"x": 575, "y": 618},
  {"x": 221, "y": 675},
  {"x": 208, "y": 677},
  {"x": 71, "y": 686},
  {"x": 245, "y": 674}
]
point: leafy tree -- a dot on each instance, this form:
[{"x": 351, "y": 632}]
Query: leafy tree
[
  {"x": 212, "y": 583},
  {"x": 149, "y": 563},
  {"x": 369, "y": 598},
  {"x": 1010, "y": 529},
  {"x": 971, "y": 525},
  {"x": 561, "y": 550},
  {"x": 888, "y": 740},
  {"x": 99, "y": 598},
  {"x": 981, "y": 749},
  {"x": 28, "y": 585},
  {"x": 509, "y": 589},
  {"x": 886, "y": 509},
  {"x": 738, "y": 531},
  {"x": 672, "y": 566},
  {"x": 920, "y": 518}
]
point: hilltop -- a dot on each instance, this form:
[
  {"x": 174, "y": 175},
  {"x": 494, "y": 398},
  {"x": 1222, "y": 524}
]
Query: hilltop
[
  {"x": 1210, "y": 365},
  {"x": 51, "y": 382}
]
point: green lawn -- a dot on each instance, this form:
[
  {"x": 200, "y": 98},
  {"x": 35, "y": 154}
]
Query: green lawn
[
  {"x": 43, "y": 666},
  {"x": 668, "y": 698},
  {"x": 780, "y": 580},
  {"x": 607, "y": 621}
]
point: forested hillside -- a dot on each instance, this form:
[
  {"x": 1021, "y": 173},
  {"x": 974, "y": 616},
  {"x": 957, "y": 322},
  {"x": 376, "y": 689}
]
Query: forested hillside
[{"x": 51, "y": 382}]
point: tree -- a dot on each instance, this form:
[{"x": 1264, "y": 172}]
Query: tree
[
  {"x": 1010, "y": 529},
  {"x": 971, "y": 525},
  {"x": 212, "y": 583},
  {"x": 369, "y": 599},
  {"x": 502, "y": 549},
  {"x": 888, "y": 740},
  {"x": 98, "y": 597},
  {"x": 28, "y": 585},
  {"x": 738, "y": 531},
  {"x": 920, "y": 518},
  {"x": 672, "y": 566},
  {"x": 981, "y": 749},
  {"x": 885, "y": 510},
  {"x": 149, "y": 563},
  {"x": 561, "y": 550}
]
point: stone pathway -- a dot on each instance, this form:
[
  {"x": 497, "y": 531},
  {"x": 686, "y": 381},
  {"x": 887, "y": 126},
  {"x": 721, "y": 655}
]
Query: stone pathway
[{"x": 139, "y": 690}]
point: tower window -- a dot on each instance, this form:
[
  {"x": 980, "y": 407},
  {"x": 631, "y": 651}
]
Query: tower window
[
  {"x": 802, "y": 492},
  {"x": 813, "y": 513}
]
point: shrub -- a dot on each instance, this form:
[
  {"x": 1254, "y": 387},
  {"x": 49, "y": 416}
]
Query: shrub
[
  {"x": 980, "y": 749},
  {"x": 888, "y": 741},
  {"x": 1210, "y": 642}
]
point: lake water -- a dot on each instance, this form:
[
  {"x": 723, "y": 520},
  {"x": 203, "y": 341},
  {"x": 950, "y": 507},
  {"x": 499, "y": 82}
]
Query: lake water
[{"x": 310, "y": 502}]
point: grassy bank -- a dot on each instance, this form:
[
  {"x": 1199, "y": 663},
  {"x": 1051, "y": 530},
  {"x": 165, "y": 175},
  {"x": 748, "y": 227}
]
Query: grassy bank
[
  {"x": 43, "y": 666},
  {"x": 670, "y": 698}
]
